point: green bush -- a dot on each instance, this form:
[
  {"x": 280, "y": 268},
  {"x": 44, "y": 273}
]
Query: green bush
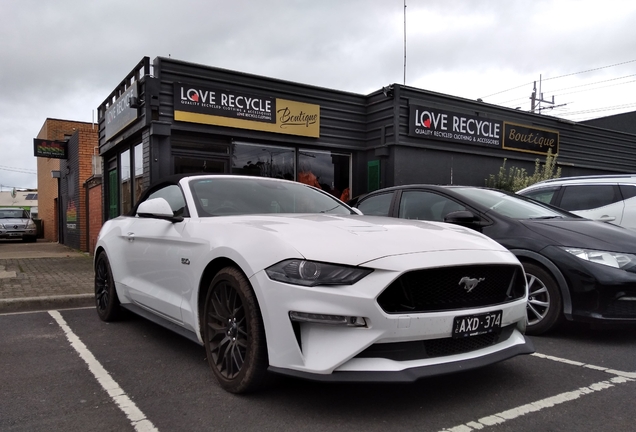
[{"x": 517, "y": 178}]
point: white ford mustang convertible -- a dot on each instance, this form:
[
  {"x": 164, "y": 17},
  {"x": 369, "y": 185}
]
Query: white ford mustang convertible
[{"x": 273, "y": 275}]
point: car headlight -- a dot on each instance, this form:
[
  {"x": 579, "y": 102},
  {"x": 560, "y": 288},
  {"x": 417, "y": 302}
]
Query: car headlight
[
  {"x": 619, "y": 260},
  {"x": 2, "y": 226},
  {"x": 313, "y": 273},
  {"x": 30, "y": 224}
]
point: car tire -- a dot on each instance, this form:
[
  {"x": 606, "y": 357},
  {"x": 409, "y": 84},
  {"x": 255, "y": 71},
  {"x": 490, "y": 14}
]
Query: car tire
[
  {"x": 233, "y": 332},
  {"x": 106, "y": 300},
  {"x": 545, "y": 305}
]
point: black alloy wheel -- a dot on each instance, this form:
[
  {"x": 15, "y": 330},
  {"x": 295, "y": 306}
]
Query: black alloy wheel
[
  {"x": 106, "y": 300},
  {"x": 544, "y": 307},
  {"x": 233, "y": 333}
]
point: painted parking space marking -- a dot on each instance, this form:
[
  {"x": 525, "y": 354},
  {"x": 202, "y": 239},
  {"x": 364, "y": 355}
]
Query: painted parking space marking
[
  {"x": 137, "y": 418},
  {"x": 501, "y": 417},
  {"x": 631, "y": 375}
]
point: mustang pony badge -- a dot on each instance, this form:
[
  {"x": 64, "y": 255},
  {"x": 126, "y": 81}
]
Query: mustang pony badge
[{"x": 470, "y": 283}]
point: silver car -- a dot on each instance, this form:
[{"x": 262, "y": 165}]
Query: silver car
[
  {"x": 606, "y": 198},
  {"x": 16, "y": 223}
]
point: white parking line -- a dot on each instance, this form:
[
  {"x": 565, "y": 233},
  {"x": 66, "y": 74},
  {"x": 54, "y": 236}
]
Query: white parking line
[
  {"x": 137, "y": 418},
  {"x": 495, "y": 419},
  {"x": 631, "y": 375}
]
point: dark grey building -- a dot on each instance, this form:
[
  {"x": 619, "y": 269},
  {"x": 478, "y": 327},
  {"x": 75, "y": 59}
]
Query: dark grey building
[{"x": 170, "y": 116}]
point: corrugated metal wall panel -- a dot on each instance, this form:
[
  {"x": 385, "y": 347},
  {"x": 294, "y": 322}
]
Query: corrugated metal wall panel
[
  {"x": 342, "y": 115},
  {"x": 580, "y": 146}
]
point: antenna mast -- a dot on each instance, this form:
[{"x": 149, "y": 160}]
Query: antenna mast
[{"x": 404, "y": 42}]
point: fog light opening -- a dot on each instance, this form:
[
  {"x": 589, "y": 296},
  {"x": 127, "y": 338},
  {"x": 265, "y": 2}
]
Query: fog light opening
[{"x": 339, "y": 320}]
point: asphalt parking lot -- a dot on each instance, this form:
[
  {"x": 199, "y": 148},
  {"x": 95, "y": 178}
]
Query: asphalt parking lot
[{"x": 64, "y": 369}]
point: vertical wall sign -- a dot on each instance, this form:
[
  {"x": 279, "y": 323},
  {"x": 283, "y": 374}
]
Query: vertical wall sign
[
  {"x": 120, "y": 114},
  {"x": 50, "y": 149}
]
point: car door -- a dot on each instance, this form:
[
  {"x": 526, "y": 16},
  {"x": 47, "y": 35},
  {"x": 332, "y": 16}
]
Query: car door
[
  {"x": 601, "y": 202},
  {"x": 628, "y": 191},
  {"x": 157, "y": 257}
]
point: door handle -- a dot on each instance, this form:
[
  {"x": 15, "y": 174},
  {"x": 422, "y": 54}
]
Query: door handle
[
  {"x": 607, "y": 218},
  {"x": 131, "y": 236}
]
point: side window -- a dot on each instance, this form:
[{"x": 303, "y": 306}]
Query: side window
[
  {"x": 586, "y": 197},
  {"x": 544, "y": 195},
  {"x": 174, "y": 196},
  {"x": 377, "y": 205},
  {"x": 628, "y": 191},
  {"x": 424, "y": 205}
]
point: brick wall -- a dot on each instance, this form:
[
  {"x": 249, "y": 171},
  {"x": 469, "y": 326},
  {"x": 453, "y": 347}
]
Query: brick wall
[
  {"x": 94, "y": 186},
  {"x": 55, "y": 129},
  {"x": 87, "y": 144}
]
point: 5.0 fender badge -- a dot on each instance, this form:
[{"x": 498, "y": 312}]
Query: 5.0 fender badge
[
  {"x": 185, "y": 261},
  {"x": 470, "y": 283}
]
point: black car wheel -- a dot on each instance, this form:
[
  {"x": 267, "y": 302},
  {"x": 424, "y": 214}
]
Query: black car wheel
[
  {"x": 544, "y": 306},
  {"x": 233, "y": 333},
  {"x": 106, "y": 300}
]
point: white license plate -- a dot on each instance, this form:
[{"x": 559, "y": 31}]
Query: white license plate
[{"x": 473, "y": 325}]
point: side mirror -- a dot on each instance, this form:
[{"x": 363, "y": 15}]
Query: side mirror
[
  {"x": 462, "y": 217},
  {"x": 157, "y": 208}
]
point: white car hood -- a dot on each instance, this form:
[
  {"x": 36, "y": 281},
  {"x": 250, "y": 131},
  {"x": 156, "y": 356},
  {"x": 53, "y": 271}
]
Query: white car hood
[{"x": 356, "y": 240}]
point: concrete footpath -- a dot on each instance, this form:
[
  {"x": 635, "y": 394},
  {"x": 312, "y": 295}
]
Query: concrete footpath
[{"x": 43, "y": 276}]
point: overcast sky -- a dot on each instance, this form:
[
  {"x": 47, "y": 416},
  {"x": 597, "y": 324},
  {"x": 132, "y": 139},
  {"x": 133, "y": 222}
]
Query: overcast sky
[{"x": 60, "y": 59}]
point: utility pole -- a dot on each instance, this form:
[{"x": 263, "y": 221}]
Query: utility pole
[{"x": 535, "y": 103}]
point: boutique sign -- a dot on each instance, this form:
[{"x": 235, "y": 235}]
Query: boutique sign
[
  {"x": 431, "y": 123},
  {"x": 530, "y": 139},
  {"x": 193, "y": 103}
]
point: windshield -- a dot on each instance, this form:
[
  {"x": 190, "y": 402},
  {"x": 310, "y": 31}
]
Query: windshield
[
  {"x": 255, "y": 195},
  {"x": 509, "y": 205},
  {"x": 13, "y": 214}
]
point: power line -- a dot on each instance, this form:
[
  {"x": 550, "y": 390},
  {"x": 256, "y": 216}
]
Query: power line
[
  {"x": 592, "y": 89},
  {"x": 599, "y": 82},
  {"x": 594, "y": 110},
  {"x": 20, "y": 170},
  {"x": 3, "y": 186},
  {"x": 561, "y": 76},
  {"x": 510, "y": 101}
]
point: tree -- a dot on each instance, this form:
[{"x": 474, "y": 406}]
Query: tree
[{"x": 517, "y": 178}]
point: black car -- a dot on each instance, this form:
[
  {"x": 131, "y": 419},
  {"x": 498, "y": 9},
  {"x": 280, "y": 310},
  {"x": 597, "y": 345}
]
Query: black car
[{"x": 576, "y": 268}]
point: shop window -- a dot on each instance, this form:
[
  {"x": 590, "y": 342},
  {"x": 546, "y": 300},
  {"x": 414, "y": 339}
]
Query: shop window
[
  {"x": 125, "y": 182},
  {"x": 192, "y": 165},
  {"x": 263, "y": 160},
  {"x": 112, "y": 193},
  {"x": 328, "y": 171},
  {"x": 139, "y": 171}
]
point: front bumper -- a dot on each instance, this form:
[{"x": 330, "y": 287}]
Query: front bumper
[
  {"x": 599, "y": 293},
  {"x": 7, "y": 234},
  {"x": 415, "y": 373},
  {"x": 328, "y": 352}
]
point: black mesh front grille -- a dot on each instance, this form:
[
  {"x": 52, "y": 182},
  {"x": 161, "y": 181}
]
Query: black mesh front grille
[
  {"x": 621, "y": 309},
  {"x": 442, "y": 288},
  {"x": 416, "y": 350}
]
